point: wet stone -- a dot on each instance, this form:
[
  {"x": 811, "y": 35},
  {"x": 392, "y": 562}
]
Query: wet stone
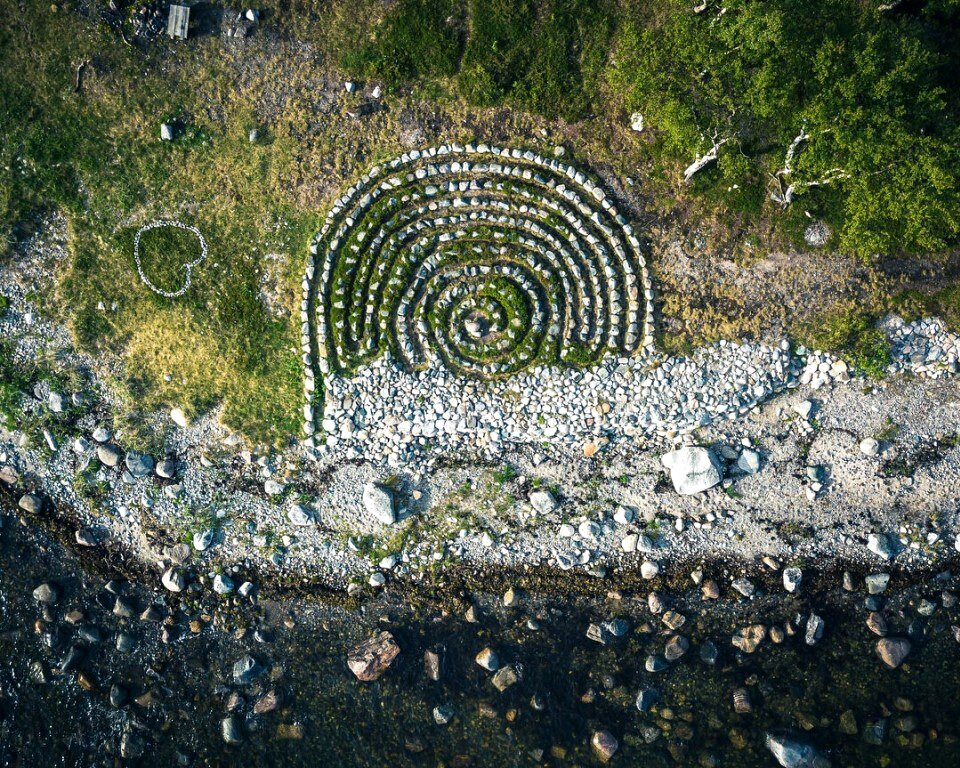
[
  {"x": 675, "y": 648},
  {"x": 791, "y": 753},
  {"x": 646, "y": 698},
  {"x": 876, "y": 732},
  {"x": 118, "y": 696},
  {"x": 125, "y": 643},
  {"x": 443, "y": 714},
  {"x": 892, "y": 651},
  {"x": 709, "y": 652},
  {"x": 749, "y": 638},
  {"x": 504, "y": 678},
  {"x": 246, "y": 669},
  {"x": 132, "y": 745},
  {"x": 231, "y": 730},
  {"x": 91, "y": 634},
  {"x": 431, "y": 665},
  {"x": 372, "y": 658},
  {"x": 877, "y": 624},
  {"x": 604, "y": 745},
  {"x": 655, "y": 663},
  {"x": 47, "y": 593},
  {"x": 488, "y": 659},
  {"x": 270, "y": 701},
  {"x": 814, "y": 632}
]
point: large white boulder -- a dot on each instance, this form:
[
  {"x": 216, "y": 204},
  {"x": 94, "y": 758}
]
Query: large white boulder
[
  {"x": 692, "y": 469},
  {"x": 378, "y": 501}
]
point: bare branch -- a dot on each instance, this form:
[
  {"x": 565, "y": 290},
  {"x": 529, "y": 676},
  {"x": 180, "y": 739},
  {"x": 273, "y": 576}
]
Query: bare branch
[
  {"x": 785, "y": 196},
  {"x": 702, "y": 161}
]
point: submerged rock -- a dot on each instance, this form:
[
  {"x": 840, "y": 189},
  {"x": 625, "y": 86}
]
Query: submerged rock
[
  {"x": 893, "y": 650},
  {"x": 372, "y": 658},
  {"x": 604, "y": 745},
  {"x": 795, "y": 754}
]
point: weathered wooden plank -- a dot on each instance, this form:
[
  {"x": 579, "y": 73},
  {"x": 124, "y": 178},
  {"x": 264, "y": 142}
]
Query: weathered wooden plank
[{"x": 178, "y": 21}]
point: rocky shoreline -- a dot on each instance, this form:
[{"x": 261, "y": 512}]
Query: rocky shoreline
[
  {"x": 835, "y": 468},
  {"x": 721, "y": 667}
]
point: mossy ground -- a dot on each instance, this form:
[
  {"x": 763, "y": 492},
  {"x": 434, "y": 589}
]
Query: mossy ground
[{"x": 95, "y": 153}]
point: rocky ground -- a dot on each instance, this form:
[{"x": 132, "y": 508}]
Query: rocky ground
[
  {"x": 715, "y": 584},
  {"x": 102, "y": 666},
  {"x": 824, "y": 465}
]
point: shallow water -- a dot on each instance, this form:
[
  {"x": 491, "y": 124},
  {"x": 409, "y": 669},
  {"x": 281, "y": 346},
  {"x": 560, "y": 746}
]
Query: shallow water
[{"x": 329, "y": 718}]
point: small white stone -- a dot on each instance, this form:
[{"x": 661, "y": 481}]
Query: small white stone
[
  {"x": 649, "y": 569},
  {"x": 869, "y": 447},
  {"x": 173, "y": 580}
]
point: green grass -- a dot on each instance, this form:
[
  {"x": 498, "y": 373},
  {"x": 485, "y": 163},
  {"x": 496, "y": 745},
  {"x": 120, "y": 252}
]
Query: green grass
[
  {"x": 97, "y": 157},
  {"x": 13, "y": 382},
  {"x": 852, "y": 333},
  {"x": 415, "y": 38}
]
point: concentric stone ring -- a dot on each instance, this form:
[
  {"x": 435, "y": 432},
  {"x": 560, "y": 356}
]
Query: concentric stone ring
[{"x": 482, "y": 260}]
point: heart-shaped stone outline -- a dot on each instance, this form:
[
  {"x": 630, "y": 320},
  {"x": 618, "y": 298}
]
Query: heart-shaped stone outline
[{"x": 188, "y": 266}]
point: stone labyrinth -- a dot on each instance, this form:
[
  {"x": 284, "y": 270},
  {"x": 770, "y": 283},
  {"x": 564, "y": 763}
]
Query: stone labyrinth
[{"x": 466, "y": 295}]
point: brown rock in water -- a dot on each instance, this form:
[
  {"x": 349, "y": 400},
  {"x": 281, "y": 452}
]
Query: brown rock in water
[
  {"x": 268, "y": 702},
  {"x": 877, "y": 624},
  {"x": 748, "y": 638},
  {"x": 604, "y": 745},
  {"x": 431, "y": 665},
  {"x": 371, "y": 659},
  {"x": 504, "y": 678},
  {"x": 893, "y": 650}
]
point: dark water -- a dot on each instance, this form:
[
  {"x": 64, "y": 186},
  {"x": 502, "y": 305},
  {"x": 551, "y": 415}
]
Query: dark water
[{"x": 328, "y": 718}]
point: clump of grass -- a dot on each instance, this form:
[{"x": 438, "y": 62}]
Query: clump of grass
[
  {"x": 888, "y": 431},
  {"x": 852, "y": 333},
  {"x": 505, "y": 474},
  {"x": 13, "y": 381}
]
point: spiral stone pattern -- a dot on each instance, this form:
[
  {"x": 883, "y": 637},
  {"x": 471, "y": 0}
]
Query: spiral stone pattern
[{"x": 482, "y": 260}]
